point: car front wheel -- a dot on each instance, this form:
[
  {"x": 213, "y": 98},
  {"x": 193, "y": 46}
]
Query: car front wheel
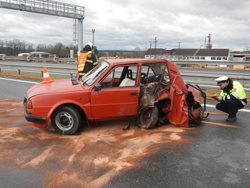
[
  {"x": 66, "y": 120},
  {"x": 148, "y": 118}
]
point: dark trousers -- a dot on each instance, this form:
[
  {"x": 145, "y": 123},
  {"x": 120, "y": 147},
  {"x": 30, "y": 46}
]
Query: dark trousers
[{"x": 230, "y": 106}]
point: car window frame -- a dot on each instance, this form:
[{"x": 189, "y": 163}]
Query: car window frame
[
  {"x": 117, "y": 66},
  {"x": 96, "y": 72}
]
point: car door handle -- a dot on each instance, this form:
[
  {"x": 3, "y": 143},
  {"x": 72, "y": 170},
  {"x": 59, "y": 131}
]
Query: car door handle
[{"x": 133, "y": 93}]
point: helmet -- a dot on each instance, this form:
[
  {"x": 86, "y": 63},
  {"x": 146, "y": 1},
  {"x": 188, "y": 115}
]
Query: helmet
[
  {"x": 89, "y": 44},
  {"x": 221, "y": 79}
]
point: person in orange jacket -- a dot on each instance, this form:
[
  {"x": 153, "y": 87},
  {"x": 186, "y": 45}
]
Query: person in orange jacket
[{"x": 86, "y": 59}]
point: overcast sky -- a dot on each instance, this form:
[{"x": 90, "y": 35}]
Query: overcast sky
[{"x": 130, "y": 24}]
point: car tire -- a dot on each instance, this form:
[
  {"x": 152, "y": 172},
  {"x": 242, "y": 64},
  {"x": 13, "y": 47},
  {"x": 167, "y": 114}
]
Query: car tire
[
  {"x": 148, "y": 118},
  {"x": 197, "y": 121},
  {"x": 66, "y": 120}
]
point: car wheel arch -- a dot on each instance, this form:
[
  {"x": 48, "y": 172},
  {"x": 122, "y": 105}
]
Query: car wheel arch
[{"x": 78, "y": 108}]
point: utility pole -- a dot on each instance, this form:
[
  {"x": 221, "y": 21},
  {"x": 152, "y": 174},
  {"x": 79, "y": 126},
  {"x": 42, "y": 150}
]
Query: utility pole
[
  {"x": 75, "y": 31},
  {"x": 149, "y": 50},
  {"x": 93, "y": 37},
  {"x": 179, "y": 45},
  {"x": 80, "y": 33},
  {"x": 155, "y": 42}
]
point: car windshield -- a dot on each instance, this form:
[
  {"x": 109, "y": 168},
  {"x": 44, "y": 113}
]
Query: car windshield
[{"x": 95, "y": 73}]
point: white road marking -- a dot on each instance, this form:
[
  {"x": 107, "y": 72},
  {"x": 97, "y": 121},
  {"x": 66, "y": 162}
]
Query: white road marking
[
  {"x": 9, "y": 110},
  {"x": 242, "y": 110},
  {"x": 15, "y": 80}
]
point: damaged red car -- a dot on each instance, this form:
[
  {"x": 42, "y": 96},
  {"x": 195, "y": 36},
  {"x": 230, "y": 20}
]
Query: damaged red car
[{"x": 152, "y": 91}]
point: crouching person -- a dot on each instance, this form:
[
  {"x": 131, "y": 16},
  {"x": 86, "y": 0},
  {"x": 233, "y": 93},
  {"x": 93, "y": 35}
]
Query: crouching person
[{"x": 232, "y": 97}]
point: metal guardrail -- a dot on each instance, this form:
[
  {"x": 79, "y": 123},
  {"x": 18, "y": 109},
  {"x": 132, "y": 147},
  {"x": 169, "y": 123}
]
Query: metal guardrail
[
  {"x": 194, "y": 62},
  {"x": 36, "y": 68},
  {"x": 3, "y": 57},
  {"x": 183, "y": 62}
]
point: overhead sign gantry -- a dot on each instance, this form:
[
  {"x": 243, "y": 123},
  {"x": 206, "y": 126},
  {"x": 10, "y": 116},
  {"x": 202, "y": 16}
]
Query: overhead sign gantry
[{"x": 53, "y": 8}]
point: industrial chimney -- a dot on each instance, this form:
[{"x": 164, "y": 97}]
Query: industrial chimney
[{"x": 209, "y": 45}]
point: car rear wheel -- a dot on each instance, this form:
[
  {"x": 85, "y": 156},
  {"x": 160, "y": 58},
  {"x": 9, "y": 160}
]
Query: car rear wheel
[
  {"x": 148, "y": 118},
  {"x": 66, "y": 120}
]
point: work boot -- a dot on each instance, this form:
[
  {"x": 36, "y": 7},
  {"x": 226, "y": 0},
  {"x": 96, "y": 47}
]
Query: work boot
[{"x": 231, "y": 119}]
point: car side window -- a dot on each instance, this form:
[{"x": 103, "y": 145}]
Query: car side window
[
  {"x": 121, "y": 76},
  {"x": 146, "y": 72}
]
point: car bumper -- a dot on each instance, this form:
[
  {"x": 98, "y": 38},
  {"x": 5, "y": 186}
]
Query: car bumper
[
  {"x": 35, "y": 119},
  {"x": 32, "y": 118}
]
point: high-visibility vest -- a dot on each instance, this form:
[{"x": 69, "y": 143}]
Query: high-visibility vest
[
  {"x": 82, "y": 59},
  {"x": 237, "y": 91}
]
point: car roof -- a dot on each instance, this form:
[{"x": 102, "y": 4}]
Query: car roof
[{"x": 132, "y": 61}]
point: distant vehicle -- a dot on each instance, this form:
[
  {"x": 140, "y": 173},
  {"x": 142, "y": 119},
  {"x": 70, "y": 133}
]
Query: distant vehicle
[
  {"x": 151, "y": 90},
  {"x": 3, "y": 57},
  {"x": 23, "y": 54},
  {"x": 41, "y": 56}
]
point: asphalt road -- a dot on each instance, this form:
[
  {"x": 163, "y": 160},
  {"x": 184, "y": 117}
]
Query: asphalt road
[
  {"x": 14, "y": 89},
  {"x": 215, "y": 154}
]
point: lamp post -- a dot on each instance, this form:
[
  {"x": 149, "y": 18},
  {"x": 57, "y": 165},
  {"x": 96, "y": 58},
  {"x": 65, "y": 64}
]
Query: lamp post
[{"x": 93, "y": 37}]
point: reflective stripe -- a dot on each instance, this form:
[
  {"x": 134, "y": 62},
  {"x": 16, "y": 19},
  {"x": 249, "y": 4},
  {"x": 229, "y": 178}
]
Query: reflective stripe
[
  {"x": 81, "y": 61},
  {"x": 46, "y": 75},
  {"x": 80, "y": 67},
  {"x": 89, "y": 61},
  {"x": 243, "y": 103}
]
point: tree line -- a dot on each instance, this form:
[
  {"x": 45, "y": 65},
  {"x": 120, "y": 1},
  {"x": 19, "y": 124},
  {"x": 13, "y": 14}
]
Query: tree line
[{"x": 14, "y": 47}]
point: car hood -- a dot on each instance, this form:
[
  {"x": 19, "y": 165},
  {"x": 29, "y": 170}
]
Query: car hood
[{"x": 57, "y": 86}]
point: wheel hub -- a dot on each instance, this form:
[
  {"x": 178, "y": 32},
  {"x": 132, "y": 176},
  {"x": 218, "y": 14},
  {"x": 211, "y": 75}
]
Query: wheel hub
[{"x": 64, "y": 121}]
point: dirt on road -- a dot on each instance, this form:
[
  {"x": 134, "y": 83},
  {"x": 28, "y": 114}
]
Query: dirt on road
[{"x": 89, "y": 159}]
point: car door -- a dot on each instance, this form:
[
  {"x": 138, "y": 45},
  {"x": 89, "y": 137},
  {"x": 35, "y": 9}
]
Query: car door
[{"x": 119, "y": 98}]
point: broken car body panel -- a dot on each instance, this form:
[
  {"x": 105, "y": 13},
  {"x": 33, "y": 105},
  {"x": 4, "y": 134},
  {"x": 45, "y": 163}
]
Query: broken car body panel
[{"x": 178, "y": 114}]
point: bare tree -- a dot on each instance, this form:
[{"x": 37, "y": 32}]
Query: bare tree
[{"x": 13, "y": 47}]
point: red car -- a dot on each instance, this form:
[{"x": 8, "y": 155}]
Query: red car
[{"x": 151, "y": 90}]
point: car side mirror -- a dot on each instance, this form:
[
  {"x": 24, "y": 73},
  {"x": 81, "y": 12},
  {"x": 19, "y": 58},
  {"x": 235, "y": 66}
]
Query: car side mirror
[{"x": 98, "y": 87}]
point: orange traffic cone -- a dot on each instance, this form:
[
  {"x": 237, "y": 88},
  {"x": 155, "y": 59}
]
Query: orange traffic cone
[{"x": 46, "y": 77}]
